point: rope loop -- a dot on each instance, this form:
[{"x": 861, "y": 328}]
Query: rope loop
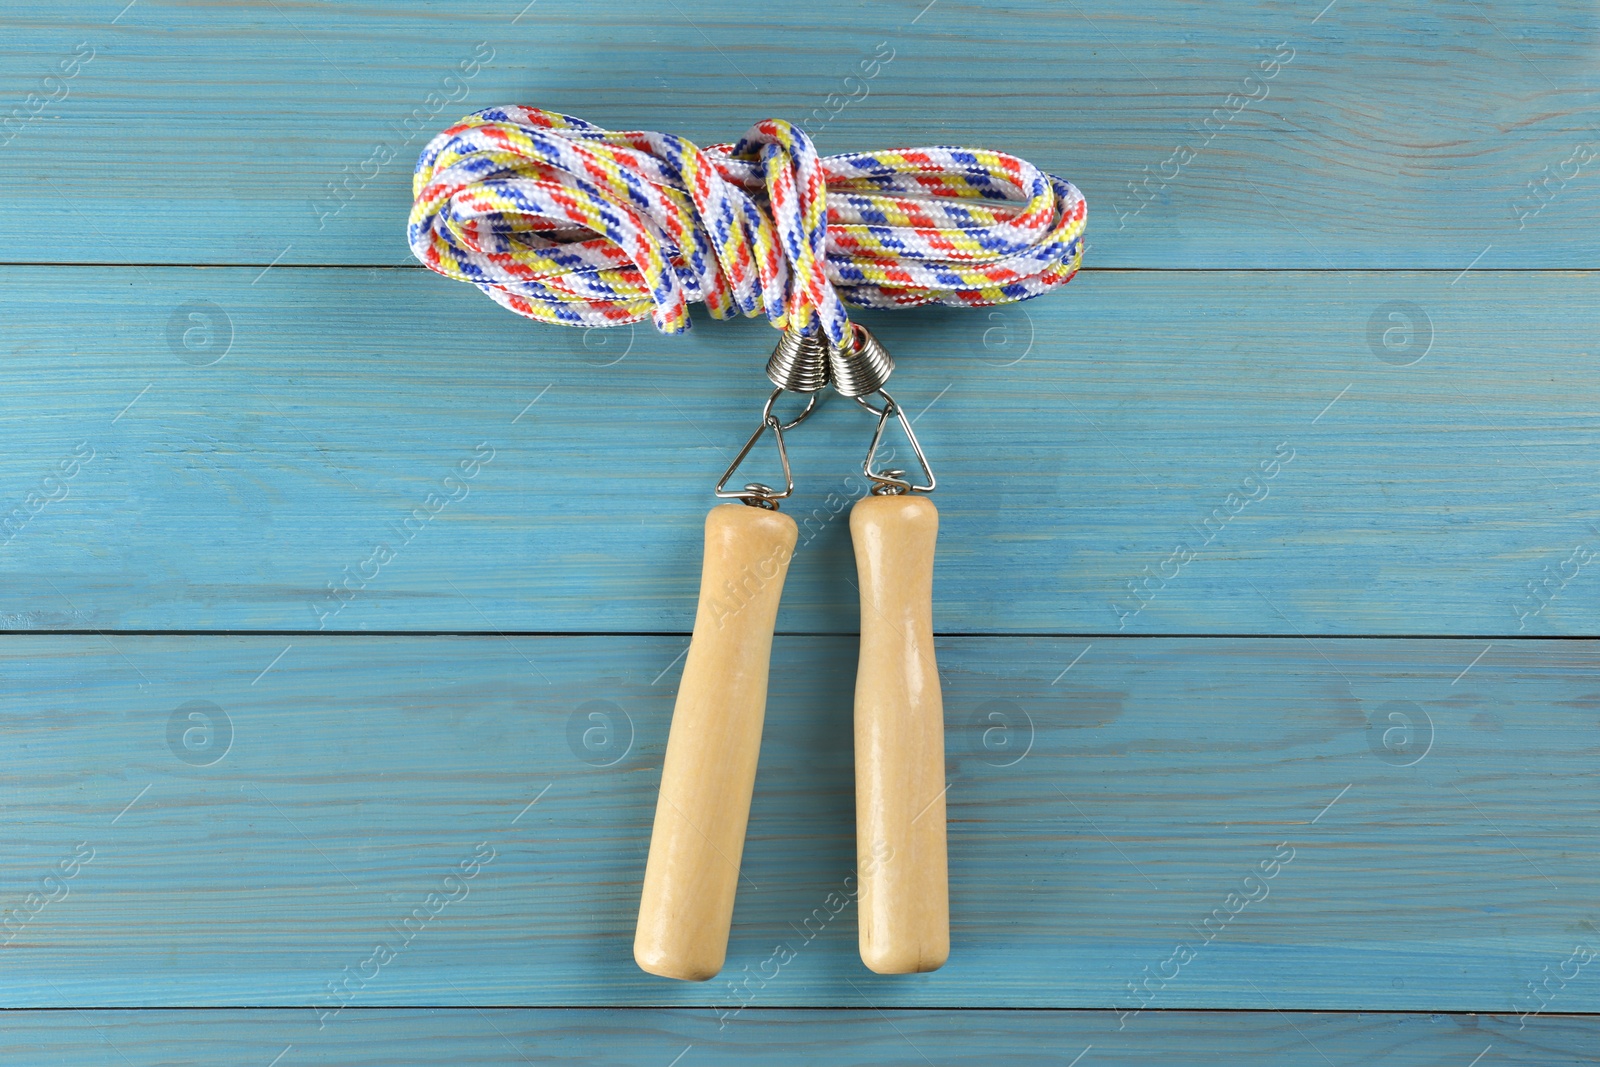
[{"x": 565, "y": 222}]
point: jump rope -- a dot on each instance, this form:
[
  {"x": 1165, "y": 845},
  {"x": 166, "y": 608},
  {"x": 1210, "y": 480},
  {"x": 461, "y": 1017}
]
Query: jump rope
[{"x": 564, "y": 222}]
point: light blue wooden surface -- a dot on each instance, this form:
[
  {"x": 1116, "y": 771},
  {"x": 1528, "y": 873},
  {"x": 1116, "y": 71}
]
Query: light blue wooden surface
[
  {"x": 1390, "y": 720},
  {"x": 1436, "y": 820},
  {"x": 606, "y": 1038},
  {"x": 1399, "y": 134},
  {"x": 1406, "y": 499}
]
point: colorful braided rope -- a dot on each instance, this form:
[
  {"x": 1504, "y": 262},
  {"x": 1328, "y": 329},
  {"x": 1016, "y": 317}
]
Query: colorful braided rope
[{"x": 565, "y": 222}]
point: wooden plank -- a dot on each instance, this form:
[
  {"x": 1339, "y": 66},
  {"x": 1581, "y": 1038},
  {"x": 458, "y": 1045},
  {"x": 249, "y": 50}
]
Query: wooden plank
[
  {"x": 1317, "y": 485},
  {"x": 1387, "y": 136},
  {"x": 651, "y": 1038},
  {"x": 1352, "y": 824}
]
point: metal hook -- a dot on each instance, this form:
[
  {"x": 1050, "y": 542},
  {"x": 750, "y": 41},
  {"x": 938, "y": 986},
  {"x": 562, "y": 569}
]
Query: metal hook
[
  {"x": 891, "y": 482},
  {"x": 758, "y": 494}
]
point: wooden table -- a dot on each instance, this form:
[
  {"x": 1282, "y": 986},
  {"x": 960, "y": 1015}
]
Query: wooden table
[{"x": 1318, "y": 788}]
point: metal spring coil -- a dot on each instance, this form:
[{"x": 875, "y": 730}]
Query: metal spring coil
[
  {"x": 799, "y": 363},
  {"x": 860, "y": 366}
]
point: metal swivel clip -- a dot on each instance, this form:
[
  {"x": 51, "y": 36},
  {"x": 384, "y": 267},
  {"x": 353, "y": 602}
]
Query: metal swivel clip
[
  {"x": 798, "y": 364},
  {"x": 808, "y": 364},
  {"x": 859, "y": 367}
]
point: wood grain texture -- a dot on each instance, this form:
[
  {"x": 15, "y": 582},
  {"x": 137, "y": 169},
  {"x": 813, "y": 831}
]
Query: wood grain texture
[
  {"x": 1395, "y": 136},
  {"x": 1344, "y": 824},
  {"x": 902, "y": 868},
  {"x": 861, "y": 1038},
  {"x": 709, "y": 770},
  {"x": 1339, "y": 493}
]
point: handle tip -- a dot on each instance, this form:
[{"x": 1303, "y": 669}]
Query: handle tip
[
  {"x": 904, "y": 959},
  {"x": 664, "y": 964}
]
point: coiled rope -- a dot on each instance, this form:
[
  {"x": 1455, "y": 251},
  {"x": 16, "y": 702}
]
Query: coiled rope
[{"x": 565, "y": 222}]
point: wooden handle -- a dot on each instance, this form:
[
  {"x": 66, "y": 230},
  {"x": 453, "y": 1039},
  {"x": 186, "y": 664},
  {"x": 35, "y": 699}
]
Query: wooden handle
[
  {"x": 900, "y": 835},
  {"x": 693, "y": 870}
]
